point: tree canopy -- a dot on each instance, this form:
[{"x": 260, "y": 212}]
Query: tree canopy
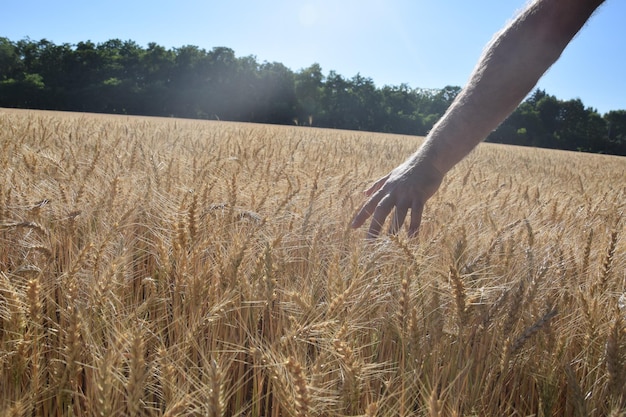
[{"x": 125, "y": 78}]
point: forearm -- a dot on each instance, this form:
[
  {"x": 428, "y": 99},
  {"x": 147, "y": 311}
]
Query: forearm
[{"x": 509, "y": 68}]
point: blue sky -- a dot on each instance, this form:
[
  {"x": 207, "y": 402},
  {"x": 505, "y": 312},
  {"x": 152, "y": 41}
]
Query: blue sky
[{"x": 427, "y": 44}]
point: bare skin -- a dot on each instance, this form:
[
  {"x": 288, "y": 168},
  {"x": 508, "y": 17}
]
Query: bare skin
[{"x": 509, "y": 68}]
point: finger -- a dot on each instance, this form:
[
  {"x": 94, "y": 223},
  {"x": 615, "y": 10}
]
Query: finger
[
  {"x": 416, "y": 217},
  {"x": 398, "y": 218},
  {"x": 380, "y": 214},
  {"x": 376, "y": 186},
  {"x": 367, "y": 210}
]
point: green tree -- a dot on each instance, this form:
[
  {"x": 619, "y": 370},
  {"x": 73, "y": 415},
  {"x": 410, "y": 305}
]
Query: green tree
[
  {"x": 222, "y": 93},
  {"x": 10, "y": 69},
  {"x": 277, "y": 101},
  {"x": 335, "y": 100},
  {"x": 187, "y": 86},
  {"x": 580, "y": 128},
  {"x": 616, "y": 131},
  {"x": 364, "y": 111},
  {"x": 401, "y": 110},
  {"x": 443, "y": 99},
  {"x": 157, "y": 65},
  {"x": 309, "y": 85},
  {"x": 549, "y": 110},
  {"x": 10, "y": 64},
  {"x": 21, "y": 83}
]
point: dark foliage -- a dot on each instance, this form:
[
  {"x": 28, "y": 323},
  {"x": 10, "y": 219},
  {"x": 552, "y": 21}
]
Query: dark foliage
[{"x": 122, "y": 77}]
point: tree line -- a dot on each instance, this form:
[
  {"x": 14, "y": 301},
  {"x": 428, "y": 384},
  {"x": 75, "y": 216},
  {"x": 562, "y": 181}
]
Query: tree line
[{"x": 125, "y": 78}]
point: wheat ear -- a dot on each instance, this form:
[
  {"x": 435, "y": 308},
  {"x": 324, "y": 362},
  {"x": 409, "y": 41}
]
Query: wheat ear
[
  {"x": 615, "y": 360},
  {"x": 216, "y": 390},
  {"x": 302, "y": 398},
  {"x": 608, "y": 261},
  {"x": 136, "y": 377},
  {"x": 459, "y": 295}
]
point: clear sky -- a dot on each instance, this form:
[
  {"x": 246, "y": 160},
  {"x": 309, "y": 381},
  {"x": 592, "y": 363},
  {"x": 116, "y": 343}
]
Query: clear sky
[{"x": 427, "y": 44}]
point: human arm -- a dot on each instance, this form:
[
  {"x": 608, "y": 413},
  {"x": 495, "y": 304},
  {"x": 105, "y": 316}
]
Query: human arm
[{"x": 508, "y": 69}]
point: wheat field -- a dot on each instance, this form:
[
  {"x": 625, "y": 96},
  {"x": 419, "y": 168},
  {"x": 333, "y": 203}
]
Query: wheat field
[{"x": 167, "y": 267}]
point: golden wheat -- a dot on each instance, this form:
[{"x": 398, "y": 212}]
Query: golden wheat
[{"x": 176, "y": 267}]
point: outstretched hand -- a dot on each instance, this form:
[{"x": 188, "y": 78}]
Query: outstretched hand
[
  {"x": 508, "y": 69},
  {"x": 406, "y": 187}
]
